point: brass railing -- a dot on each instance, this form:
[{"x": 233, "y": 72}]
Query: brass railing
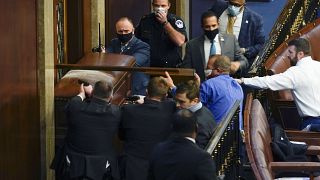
[
  {"x": 224, "y": 145},
  {"x": 294, "y": 16}
]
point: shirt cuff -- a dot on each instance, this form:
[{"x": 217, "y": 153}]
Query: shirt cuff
[{"x": 81, "y": 96}]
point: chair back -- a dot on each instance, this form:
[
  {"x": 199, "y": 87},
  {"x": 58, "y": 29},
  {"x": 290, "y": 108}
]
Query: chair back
[
  {"x": 260, "y": 138},
  {"x": 247, "y": 135}
]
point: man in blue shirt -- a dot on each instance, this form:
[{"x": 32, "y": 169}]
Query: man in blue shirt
[{"x": 220, "y": 91}]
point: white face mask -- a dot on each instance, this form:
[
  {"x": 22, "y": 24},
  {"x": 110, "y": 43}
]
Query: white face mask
[
  {"x": 159, "y": 9},
  {"x": 207, "y": 72},
  {"x": 234, "y": 10}
]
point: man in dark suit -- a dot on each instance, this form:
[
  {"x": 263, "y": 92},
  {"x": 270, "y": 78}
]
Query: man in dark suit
[
  {"x": 187, "y": 96},
  {"x": 142, "y": 127},
  {"x": 179, "y": 157},
  {"x": 88, "y": 152},
  {"x": 126, "y": 43},
  {"x": 245, "y": 24},
  {"x": 212, "y": 42}
]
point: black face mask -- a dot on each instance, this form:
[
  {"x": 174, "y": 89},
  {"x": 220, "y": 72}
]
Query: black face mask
[
  {"x": 211, "y": 34},
  {"x": 124, "y": 38}
]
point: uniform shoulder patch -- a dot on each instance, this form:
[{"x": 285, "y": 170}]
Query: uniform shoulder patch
[{"x": 179, "y": 23}]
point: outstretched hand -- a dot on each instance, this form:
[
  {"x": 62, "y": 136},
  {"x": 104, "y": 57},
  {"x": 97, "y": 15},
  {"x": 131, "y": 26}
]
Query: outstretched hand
[
  {"x": 197, "y": 79},
  {"x": 235, "y": 66},
  {"x": 168, "y": 79},
  {"x": 85, "y": 90},
  {"x": 88, "y": 90},
  {"x": 239, "y": 81}
]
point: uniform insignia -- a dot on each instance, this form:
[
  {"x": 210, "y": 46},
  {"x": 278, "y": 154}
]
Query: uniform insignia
[{"x": 179, "y": 23}]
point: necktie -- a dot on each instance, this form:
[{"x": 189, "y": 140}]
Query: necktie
[
  {"x": 231, "y": 21},
  {"x": 212, "y": 48}
]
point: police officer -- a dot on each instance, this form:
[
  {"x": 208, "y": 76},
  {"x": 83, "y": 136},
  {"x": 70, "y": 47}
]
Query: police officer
[{"x": 164, "y": 32}]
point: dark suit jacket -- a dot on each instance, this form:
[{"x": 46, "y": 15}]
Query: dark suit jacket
[
  {"x": 141, "y": 52},
  {"x": 180, "y": 159},
  {"x": 206, "y": 126},
  {"x": 194, "y": 57},
  {"x": 142, "y": 127},
  {"x": 251, "y": 34},
  {"x": 92, "y": 125}
]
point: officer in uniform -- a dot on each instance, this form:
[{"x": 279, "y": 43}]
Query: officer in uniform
[{"x": 165, "y": 33}]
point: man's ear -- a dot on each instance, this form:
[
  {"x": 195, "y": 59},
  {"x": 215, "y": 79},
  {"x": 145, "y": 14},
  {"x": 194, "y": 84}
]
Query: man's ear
[
  {"x": 196, "y": 100},
  {"x": 219, "y": 70},
  {"x": 300, "y": 54}
]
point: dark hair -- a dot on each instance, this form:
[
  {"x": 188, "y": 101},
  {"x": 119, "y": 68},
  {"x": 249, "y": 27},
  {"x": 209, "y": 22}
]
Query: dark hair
[
  {"x": 157, "y": 87},
  {"x": 103, "y": 89},
  {"x": 125, "y": 18},
  {"x": 206, "y": 15},
  {"x": 301, "y": 44},
  {"x": 191, "y": 88},
  {"x": 168, "y": 1},
  {"x": 184, "y": 123}
]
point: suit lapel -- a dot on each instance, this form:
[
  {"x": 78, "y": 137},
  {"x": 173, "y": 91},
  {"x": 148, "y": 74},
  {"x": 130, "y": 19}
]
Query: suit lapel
[
  {"x": 201, "y": 46},
  {"x": 222, "y": 43},
  {"x": 244, "y": 25}
]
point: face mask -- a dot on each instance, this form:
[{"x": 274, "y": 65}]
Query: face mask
[
  {"x": 234, "y": 10},
  {"x": 211, "y": 34},
  {"x": 207, "y": 72},
  {"x": 159, "y": 9},
  {"x": 124, "y": 38}
]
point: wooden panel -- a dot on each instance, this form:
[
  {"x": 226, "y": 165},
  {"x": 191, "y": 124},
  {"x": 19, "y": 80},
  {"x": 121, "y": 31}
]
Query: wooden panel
[
  {"x": 19, "y": 104},
  {"x": 74, "y": 30},
  {"x": 115, "y": 9},
  {"x": 87, "y": 26}
]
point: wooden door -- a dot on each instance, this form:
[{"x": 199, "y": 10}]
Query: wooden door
[{"x": 19, "y": 98}]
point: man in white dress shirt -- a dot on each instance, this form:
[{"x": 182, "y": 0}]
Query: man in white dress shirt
[{"x": 302, "y": 79}]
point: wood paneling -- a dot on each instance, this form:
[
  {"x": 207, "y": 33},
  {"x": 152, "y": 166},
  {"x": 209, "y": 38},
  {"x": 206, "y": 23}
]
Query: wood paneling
[
  {"x": 19, "y": 104},
  {"x": 87, "y": 26},
  {"x": 74, "y": 30},
  {"x": 115, "y": 9}
]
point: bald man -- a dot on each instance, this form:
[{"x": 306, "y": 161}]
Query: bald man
[{"x": 126, "y": 43}]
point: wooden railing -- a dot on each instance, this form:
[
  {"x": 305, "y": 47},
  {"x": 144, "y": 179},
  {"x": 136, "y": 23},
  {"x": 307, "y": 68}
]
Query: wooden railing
[
  {"x": 295, "y": 15},
  {"x": 224, "y": 145}
]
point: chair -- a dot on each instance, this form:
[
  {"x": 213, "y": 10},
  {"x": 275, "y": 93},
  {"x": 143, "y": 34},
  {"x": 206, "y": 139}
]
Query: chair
[{"x": 258, "y": 139}]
